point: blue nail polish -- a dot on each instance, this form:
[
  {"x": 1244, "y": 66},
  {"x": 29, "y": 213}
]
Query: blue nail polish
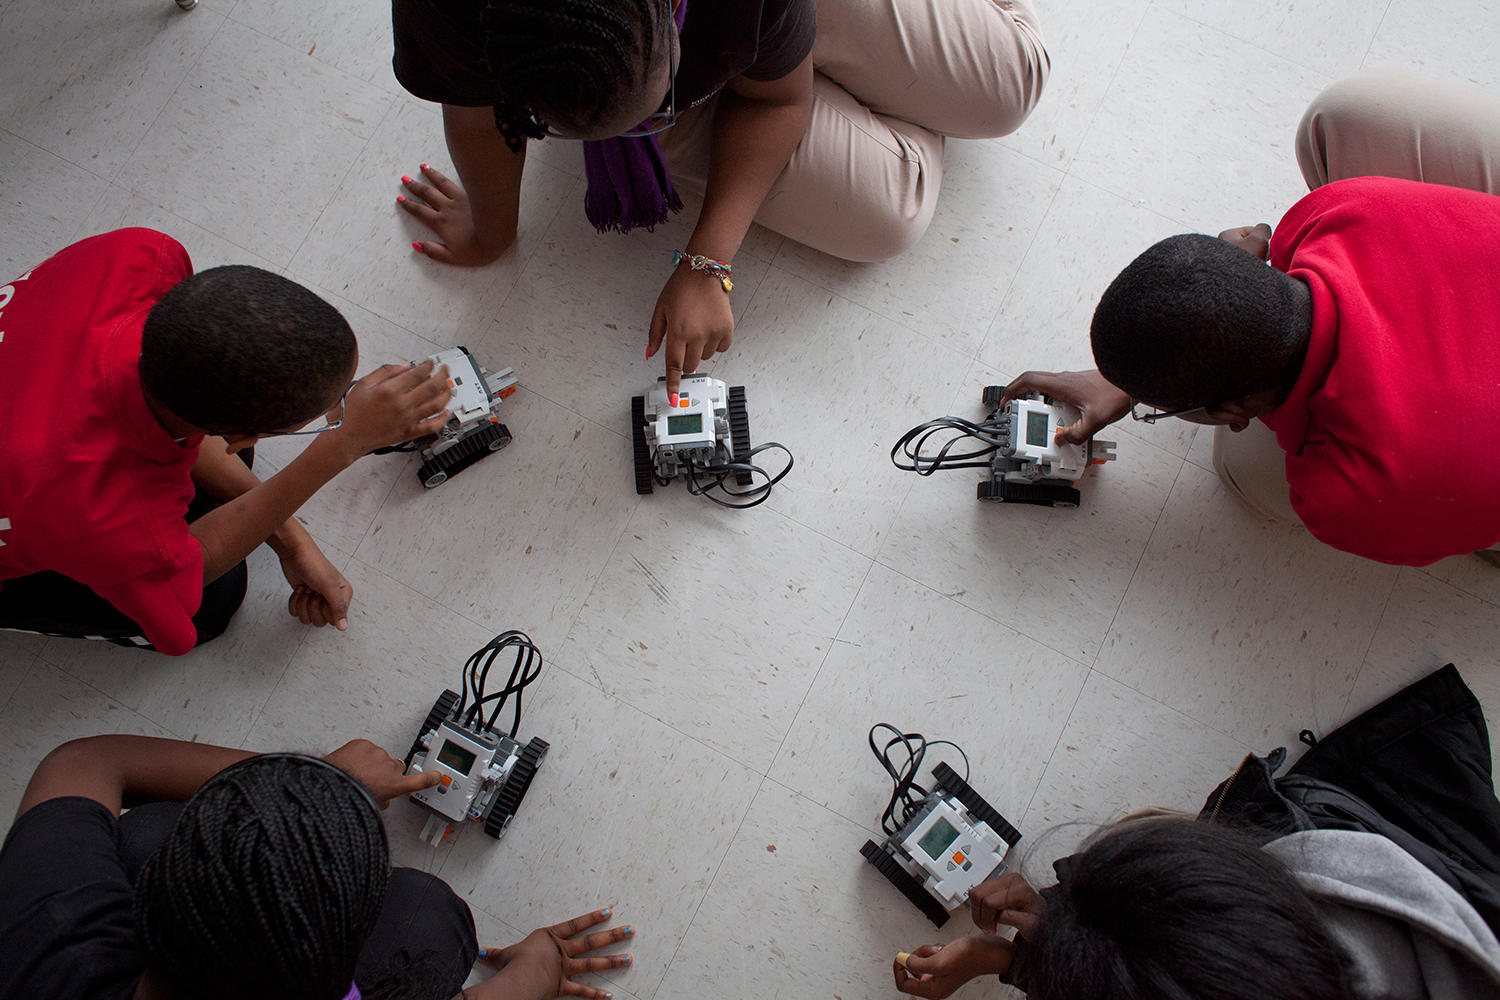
[
  {"x": 630, "y": 930},
  {"x": 627, "y": 959},
  {"x": 605, "y": 913},
  {"x": 483, "y": 952}
]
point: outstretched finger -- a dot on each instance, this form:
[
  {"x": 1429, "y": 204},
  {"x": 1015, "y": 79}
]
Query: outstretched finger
[
  {"x": 572, "y": 989},
  {"x": 408, "y": 783},
  {"x": 598, "y": 939},
  {"x": 426, "y": 192},
  {"x": 599, "y": 963},
  {"x": 427, "y": 215},
  {"x": 578, "y": 925},
  {"x": 657, "y": 333},
  {"x": 674, "y": 370},
  {"x": 441, "y": 181},
  {"x": 431, "y": 248},
  {"x": 1021, "y": 385}
]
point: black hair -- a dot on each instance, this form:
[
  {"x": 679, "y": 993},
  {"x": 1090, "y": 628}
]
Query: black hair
[
  {"x": 575, "y": 58},
  {"x": 267, "y": 886},
  {"x": 1181, "y": 910},
  {"x": 1197, "y": 321},
  {"x": 239, "y": 350}
]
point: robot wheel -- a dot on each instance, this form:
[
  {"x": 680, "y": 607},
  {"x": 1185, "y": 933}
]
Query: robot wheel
[
  {"x": 902, "y": 879},
  {"x": 516, "y": 786}
]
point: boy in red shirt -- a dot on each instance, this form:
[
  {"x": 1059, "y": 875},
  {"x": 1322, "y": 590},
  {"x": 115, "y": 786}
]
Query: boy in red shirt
[
  {"x": 1370, "y": 348},
  {"x": 127, "y": 384}
]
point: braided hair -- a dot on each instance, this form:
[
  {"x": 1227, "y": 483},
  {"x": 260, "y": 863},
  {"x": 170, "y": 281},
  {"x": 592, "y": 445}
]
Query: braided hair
[
  {"x": 576, "y": 58},
  {"x": 267, "y": 886}
]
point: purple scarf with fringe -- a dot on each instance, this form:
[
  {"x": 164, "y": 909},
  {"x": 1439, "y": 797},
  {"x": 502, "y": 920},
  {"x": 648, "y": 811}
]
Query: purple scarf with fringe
[{"x": 628, "y": 182}]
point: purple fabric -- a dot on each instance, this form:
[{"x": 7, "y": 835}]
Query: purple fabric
[
  {"x": 628, "y": 183},
  {"x": 353, "y": 993}
]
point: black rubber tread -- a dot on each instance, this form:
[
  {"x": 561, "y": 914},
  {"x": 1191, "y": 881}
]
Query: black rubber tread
[
  {"x": 992, "y": 394},
  {"x": 516, "y": 785},
  {"x": 441, "y": 709},
  {"x": 464, "y": 454},
  {"x": 949, "y": 781},
  {"x": 739, "y": 432},
  {"x": 1041, "y": 494},
  {"x": 643, "y": 469},
  {"x": 903, "y": 880}
]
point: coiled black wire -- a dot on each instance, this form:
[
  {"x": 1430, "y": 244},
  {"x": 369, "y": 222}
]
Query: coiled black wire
[
  {"x": 912, "y": 444},
  {"x": 905, "y": 790},
  {"x": 719, "y": 472},
  {"x": 526, "y": 668}
]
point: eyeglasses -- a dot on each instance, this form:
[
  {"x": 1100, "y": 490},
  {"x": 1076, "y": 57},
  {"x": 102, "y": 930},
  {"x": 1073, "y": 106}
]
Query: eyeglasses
[
  {"x": 659, "y": 121},
  {"x": 1154, "y": 414},
  {"x": 332, "y": 425}
]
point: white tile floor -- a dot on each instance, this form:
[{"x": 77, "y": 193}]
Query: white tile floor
[{"x": 711, "y": 675}]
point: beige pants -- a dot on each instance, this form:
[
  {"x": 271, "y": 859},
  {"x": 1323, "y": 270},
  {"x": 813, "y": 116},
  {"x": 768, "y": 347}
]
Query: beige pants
[
  {"x": 892, "y": 79},
  {"x": 1381, "y": 122}
]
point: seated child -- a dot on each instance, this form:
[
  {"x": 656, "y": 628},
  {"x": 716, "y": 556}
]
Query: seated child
[
  {"x": 239, "y": 876},
  {"x": 1371, "y": 871},
  {"x": 126, "y": 384}
]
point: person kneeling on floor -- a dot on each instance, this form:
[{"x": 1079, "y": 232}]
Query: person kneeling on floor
[
  {"x": 239, "y": 876},
  {"x": 127, "y": 383},
  {"x": 1369, "y": 349},
  {"x": 1371, "y": 871}
]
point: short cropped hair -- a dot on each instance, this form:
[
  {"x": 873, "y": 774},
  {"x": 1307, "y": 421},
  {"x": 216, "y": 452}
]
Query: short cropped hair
[
  {"x": 1197, "y": 321},
  {"x": 1181, "y": 908},
  {"x": 241, "y": 350}
]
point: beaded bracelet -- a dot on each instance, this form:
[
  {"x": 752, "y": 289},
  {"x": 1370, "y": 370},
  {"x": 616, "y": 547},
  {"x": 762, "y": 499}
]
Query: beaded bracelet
[{"x": 698, "y": 262}]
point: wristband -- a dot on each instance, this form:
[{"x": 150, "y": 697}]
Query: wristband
[{"x": 698, "y": 262}]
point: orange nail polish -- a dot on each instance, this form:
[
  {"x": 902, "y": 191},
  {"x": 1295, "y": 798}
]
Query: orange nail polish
[
  {"x": 424, "y": 166},
  {"x": 673, "y": 397},
  {"x": 405, "y": 179}
]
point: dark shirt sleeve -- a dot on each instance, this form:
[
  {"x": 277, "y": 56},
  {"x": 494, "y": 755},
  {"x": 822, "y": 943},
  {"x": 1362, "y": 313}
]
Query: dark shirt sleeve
[
  {"x": 787, "y": 31},
  {"x": 65, "y": 906},
  {"x": 1019, "y": 974},
  {"x": 440, "y": 51}
]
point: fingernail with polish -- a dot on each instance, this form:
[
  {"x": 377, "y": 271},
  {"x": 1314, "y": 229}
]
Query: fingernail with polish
[
  {"x": 626, "y": 960},
  {"x": 673, "y": 397},
  {"x": 405, "y": 179},
  {"x": 424, "y": 166},
  {"x": 483, "y": 952},
  {"x": 630, "y": 930},
  {"x": 604, "y": 914},
  {"x": 400, "y": 197},
  {"x": 417, "y": 247}
]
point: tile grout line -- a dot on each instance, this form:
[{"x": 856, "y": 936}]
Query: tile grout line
[
  {"x": 1380, "y": 24},
  {"x": 1124, "y": 54},
  {"x": 1365, "y": 656}
]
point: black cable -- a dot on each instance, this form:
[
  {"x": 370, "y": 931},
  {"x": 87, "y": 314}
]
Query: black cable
[
  {"x": 720, "y": 471},
  {"x": 912, "y": 444},
  {"x": 526, "y": 668},
  {"x": 905, "y": 789}
]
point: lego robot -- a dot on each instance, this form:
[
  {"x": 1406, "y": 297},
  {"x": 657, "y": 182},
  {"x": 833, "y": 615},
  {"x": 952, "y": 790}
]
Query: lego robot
[
  {"x": 953, "y": 842},
  {"x": 474, "y": 430},
  {"x": 485, "y": 773},
  {"x": 1030, "y": 466},
  {"x": 708, "y": 427}
]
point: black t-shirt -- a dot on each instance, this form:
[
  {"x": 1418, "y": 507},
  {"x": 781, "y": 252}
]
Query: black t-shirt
[
  {"x": 440, "y": 46},
  {"x": 65, "y": 906}
]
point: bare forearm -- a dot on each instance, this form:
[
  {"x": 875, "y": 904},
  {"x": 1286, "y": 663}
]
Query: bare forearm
[
  {"x": 489, "y": 172},
  {"x": 517, "y": 981},
  {"x": 120, "y": 771},
  {"x": 752, "y": 142},
  {"x": 224, "y": 477},
  {"x": 233, "y": 531}
]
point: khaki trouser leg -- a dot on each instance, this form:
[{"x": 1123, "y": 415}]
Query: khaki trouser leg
[
  {"x": 894, "y": 77},
  {"x": 1395, "y": 123},
  {"x": 1378, "y": 122}
]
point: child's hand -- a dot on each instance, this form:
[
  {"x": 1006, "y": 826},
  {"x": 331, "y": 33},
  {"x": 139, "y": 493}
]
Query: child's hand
[
  {"x": 550, "y": 955},
  {"x": 379, "y": 771},
  {"x": 692, "y": 323},
  {"x": 934, "y": 971},
  {"x": 394, "y": 404},
  {"x": 1009, "y": 900},
  {"x": 320, "y": 594}
]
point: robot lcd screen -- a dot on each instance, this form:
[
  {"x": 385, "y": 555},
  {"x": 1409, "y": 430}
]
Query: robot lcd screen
[
  {"x": 688, "y": 423},
  {"x": 1036, "y": 428},
  {"x": 456, "y": 757},
  {"x": 935, "y": 841}
]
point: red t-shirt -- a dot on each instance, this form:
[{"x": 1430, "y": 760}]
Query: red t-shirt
[
  {"x": 94, "y": 488},
  {"x": 1390, "y": 431}
]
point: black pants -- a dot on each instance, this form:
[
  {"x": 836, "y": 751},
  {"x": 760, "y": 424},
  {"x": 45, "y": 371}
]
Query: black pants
[
  {"x": 52, "y": 604},
  {"x": 422, "y": 921}
]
